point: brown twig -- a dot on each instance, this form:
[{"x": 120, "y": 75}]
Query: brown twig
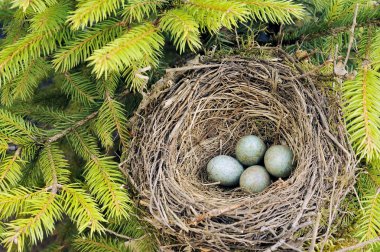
[
  {"x": 187, "y": 68},
  {"x": 359, "y": 245},
  {"x": 117, "y": 234},
  {"x": 352, "y": 35},
  {"x": 315, "y": 233},
  {"x": 75, "y": 126}
]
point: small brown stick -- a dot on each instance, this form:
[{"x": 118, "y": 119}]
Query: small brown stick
[
  {"x": 117, "y": 234},
  {"x": 186, "y": 68},
  {"x": 75, "y": 126},
  {"x": 290, "y": 58},
  {"x": 215, "y": 212},
  {"x": 352, "y": 35},
  {"x": 336, "y": 142},
  {"x": 359, "y": 245},
  {"x": 275, "y": 246},
  {"x": 315, "y": 232},
  {"x": 311, "y": 72}
]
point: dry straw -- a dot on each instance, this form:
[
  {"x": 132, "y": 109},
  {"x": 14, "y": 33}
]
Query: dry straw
[{"x": 195, "y": 114}]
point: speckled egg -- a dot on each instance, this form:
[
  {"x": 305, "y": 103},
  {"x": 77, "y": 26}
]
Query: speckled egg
[
  {"x": 250, "y": 150},
  {"x": 255, "y": 179},
  {"x": 224, "y": 169},
  {"x": 278, "y": 161}
]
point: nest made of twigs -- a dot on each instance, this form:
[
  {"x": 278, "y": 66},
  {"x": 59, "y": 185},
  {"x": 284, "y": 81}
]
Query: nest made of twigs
[{"x": 202, "y": 112}]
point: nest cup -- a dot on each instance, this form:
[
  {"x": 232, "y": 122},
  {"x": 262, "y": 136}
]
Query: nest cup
[{"x": 195, "y": 114}]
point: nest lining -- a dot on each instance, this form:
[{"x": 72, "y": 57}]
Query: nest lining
[{"x": 201, "y": 113}]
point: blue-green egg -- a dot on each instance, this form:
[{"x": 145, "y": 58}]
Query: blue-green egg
[
  {"x": 224, "y": 169},
  {"x": 250, "y": 150},
  {"x": 278, "y": 161},
  {"x": 255, "y": 179}
]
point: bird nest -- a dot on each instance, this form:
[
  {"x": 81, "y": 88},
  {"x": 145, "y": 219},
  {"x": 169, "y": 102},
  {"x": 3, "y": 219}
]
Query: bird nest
[{"x": 201, "y": 111}]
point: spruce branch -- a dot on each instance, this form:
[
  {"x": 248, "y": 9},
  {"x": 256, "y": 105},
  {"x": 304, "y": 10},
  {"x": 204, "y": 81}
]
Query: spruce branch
[
  {"x": 35, "y": 5},
  {"x": 54, "y": 166},
  {"x": 81, "y": 208},
  {"x": 137, "y": 10},
  {"x": 95, "y": 244},
  {"x": 14, "y": 56},
  {"x": 16, "y": 130},
  {"x": 274, "y": 11},
  {"x": 51, "y": 20},
  {"x": 88, "y": 12},
  {"x": 105, "y": 183},
  {"x": 26, "y": 83},
  {"x": 10, "y": 170},
  {"x": 213, "y": 15},
  {"x": 80, "y": 88},
  {"x": 183, "y": 28},
  {"x": 80, "y": 48},
  {"x": 112, "y": 117},
  {"x": 43, "y": 213},
  {"x": 123, "y": 51}
]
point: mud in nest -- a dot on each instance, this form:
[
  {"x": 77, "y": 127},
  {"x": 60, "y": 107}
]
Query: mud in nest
[{"x": 195, "y": 114}]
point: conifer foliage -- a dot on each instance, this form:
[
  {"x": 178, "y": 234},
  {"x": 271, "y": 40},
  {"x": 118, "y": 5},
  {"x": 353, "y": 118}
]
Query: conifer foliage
[{"x": 66, "y": 68}]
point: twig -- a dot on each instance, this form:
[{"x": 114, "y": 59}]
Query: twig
[
  {"x": 337, "y": 142},
  {"x": 290, "y": 58},
  {"x": 315, "y": 233},
  {"x": 359, "y": 245},
  {"x": 117, "y": 234},
  {"x": 275, "y": 246},
  {"x": 352, "y": 35},
  {"x": 309, "y": 73},
  {"x": 335, "y": 56},
  {"x": 186, "y": 68},
  {"x": 75, "y": 126}
]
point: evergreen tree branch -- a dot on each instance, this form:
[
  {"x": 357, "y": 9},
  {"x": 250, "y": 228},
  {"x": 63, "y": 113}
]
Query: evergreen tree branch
[
  {"x": 362, "y": 110},
  {"x": 213, "y": 15},
  {"x": 53, "y": 166},
  {"x": 129, "y": 48},
  {"x": 274, "y": 11},
  {"x": 15, "y": 129},
  {"x": 13, "y": 57},
  {"x": 106, "y": 184},
  {"x": 10, "y": 171},
  {"x": 369, "y": 226},
  {"x": 13, "y": 202},
  {"x": 84, "y": 144},
  {"x": 137, "y": 10},
  {"x": 87, "y": 244},
  {"x": 50, "y": 20},
  {"x": 81, "y": 47},
  {"x": 43, "y": 214},
  {"x": 35, "y": 5},
  {"x": 80, "y": 88},
  {"x": 28, "y": 81},
  {"x": 183, "y": 28},
  {"x": 112, "y": 117},
  {"x": 89, "y": 12},
  {"x": 81, "y": 208}
]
